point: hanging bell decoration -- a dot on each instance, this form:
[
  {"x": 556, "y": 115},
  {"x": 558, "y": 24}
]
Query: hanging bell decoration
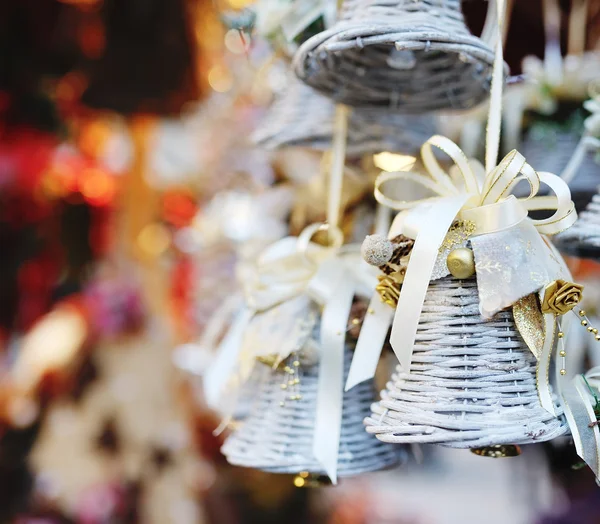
[
  {"x": 583, "y": 238},
  {"x": 471, "y": 384},
  {"x": 302, "y": 117},
  {"x": 408, "y": 56},
  {"x": 277, "y": 435}
]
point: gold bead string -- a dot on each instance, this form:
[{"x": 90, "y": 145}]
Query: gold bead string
[
  {"x": 291, "y": 379},
  {"x": 562, "y": 352},
  {"x": 357, "y": 321},
  {"x": 585, "y": 322}
]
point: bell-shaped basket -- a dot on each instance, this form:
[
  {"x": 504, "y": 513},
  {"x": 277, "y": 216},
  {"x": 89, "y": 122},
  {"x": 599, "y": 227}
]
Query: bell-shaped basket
[
  {"x": 277, "y": 435},
  {"x": 302, "y": 117},
  {"x": 472, "y": 382},
  {"x": 583, "y": 238},
  {"x": 407, "y": 55}
]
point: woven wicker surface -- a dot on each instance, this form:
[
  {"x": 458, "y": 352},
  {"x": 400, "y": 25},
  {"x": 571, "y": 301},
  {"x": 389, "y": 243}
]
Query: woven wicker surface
[
  {"x": 303, "y": 117},
  {"x": 472, "y": 382},
  {"x": 409, "y": 55},
  {"x": 583, "y": 238},
  {"x": 279, "y": 438},
  {"x": 552, "y": 153}
]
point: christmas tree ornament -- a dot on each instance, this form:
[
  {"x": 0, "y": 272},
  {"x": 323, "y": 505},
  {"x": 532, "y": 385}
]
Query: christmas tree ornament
[
  {"x": 278, "y": 434},
  {"x": 298, "y": 288},
  {"x": 302, "y": 117},
  {"x": 408, "y": 56},
  {"x": 583, "y": 239},
  {"x": 472, "y": 381},
  {"x": 299, "y": 302},
  {"x": 474, "y": 351}
]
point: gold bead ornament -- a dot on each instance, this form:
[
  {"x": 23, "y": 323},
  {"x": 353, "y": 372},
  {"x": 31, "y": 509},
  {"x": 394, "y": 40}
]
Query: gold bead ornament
[
  {"x": 498, "y": 451},
  {"x": 461, "y": 263}
]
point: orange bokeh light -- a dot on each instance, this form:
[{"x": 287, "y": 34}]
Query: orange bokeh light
[
  {"x": 178, "y": 208},
  {"x": 97, "y": 187},
  {"x": 93, "y": 137}
]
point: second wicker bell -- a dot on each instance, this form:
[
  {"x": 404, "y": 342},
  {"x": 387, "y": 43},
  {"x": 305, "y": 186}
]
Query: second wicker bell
[{"x": 412, "y": 56}]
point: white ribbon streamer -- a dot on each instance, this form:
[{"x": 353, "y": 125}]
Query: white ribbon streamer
[
  {"x": 577, "y": 402},
  {"x": 224, "y": 366},
  {"x": 373, "y": 333},
  {"x": 328, "y": 416}
]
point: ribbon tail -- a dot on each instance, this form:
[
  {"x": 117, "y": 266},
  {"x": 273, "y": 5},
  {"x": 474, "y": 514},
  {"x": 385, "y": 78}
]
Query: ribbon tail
[
  {"x": 330, "y": 390},
  {"x": 434, "y": 226},
  {"x": 582, "y": 422},
  {"x": 543, "y": 366},
  {"x": 370, "y": 342},
  {"x": 222, "y": 368}
]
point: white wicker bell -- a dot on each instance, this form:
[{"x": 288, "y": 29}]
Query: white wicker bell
[
  {"x": 408, "y": 55},
  {"x": 551, "y": 151},
  {"x": 583, "y": 238},
  {"x": 277, "y": 435},
  {"x": 472, "y": 382},
  {"x": 303, "y": 117}
]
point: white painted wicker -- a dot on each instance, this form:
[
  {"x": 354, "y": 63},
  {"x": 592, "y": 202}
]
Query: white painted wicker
[
  {"x": 303, "y": 117},
  {"x": 409, "y": 55},
  {"x": 552, "y": 152},
  {"x": 583, "y": 237},
  {"x": 472, "y": 381},
  {"x": 279, "y": 438}
]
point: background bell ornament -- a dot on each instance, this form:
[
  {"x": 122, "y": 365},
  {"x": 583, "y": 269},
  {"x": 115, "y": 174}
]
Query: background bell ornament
[
  {"x": 277, "y": 435},
  {"x": 303, "y": 117},
  {"x": 582, "y": 239},
  {"x": 472, "y": 381},
  {"x": 461, "y": 263},
  {"x": 408, "y": 56}
]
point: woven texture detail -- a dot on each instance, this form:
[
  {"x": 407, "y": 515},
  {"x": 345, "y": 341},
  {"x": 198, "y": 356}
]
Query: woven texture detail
[
  {"x": 303, "y": 117},
  {"x": 408, "y": 55},
  {"x": 583, "y": 237},
  {"x": 552, "y": 153},
  {"x": 279, "y": 439},
  {"x": 472, "y": 381}
]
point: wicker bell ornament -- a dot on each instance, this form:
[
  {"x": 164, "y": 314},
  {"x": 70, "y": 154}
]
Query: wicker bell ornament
[
  {"x": 583, "y": 238},
  {"x": 277, "y": 435},
  {"x": 472, "y": 381},
  {"x": 303, "y": 117},
  {"x": 406, "y": 55}
]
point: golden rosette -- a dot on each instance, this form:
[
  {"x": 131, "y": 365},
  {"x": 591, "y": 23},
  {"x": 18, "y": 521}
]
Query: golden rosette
[
  {"x": 561, "y": 296},
  {"x": 389, "y": 288}
]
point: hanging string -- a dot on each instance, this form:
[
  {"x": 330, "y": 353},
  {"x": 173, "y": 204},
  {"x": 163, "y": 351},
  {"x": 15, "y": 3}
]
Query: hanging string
[
  {"x": 336, "y": 173},
  {"x": 492, "y": 137},
  {"x": 577, "y": 27},
  {"x": 552, "y": 54}
]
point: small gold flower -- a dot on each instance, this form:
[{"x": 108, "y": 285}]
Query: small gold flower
[
  {"x": 561, "y": 296},
  {"x": 389, "y": 288}
]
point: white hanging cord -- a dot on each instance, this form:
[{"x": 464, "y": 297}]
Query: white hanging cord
[
  {"x": 336, "y": 173},
  {"x": 577, "y": 27}
]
